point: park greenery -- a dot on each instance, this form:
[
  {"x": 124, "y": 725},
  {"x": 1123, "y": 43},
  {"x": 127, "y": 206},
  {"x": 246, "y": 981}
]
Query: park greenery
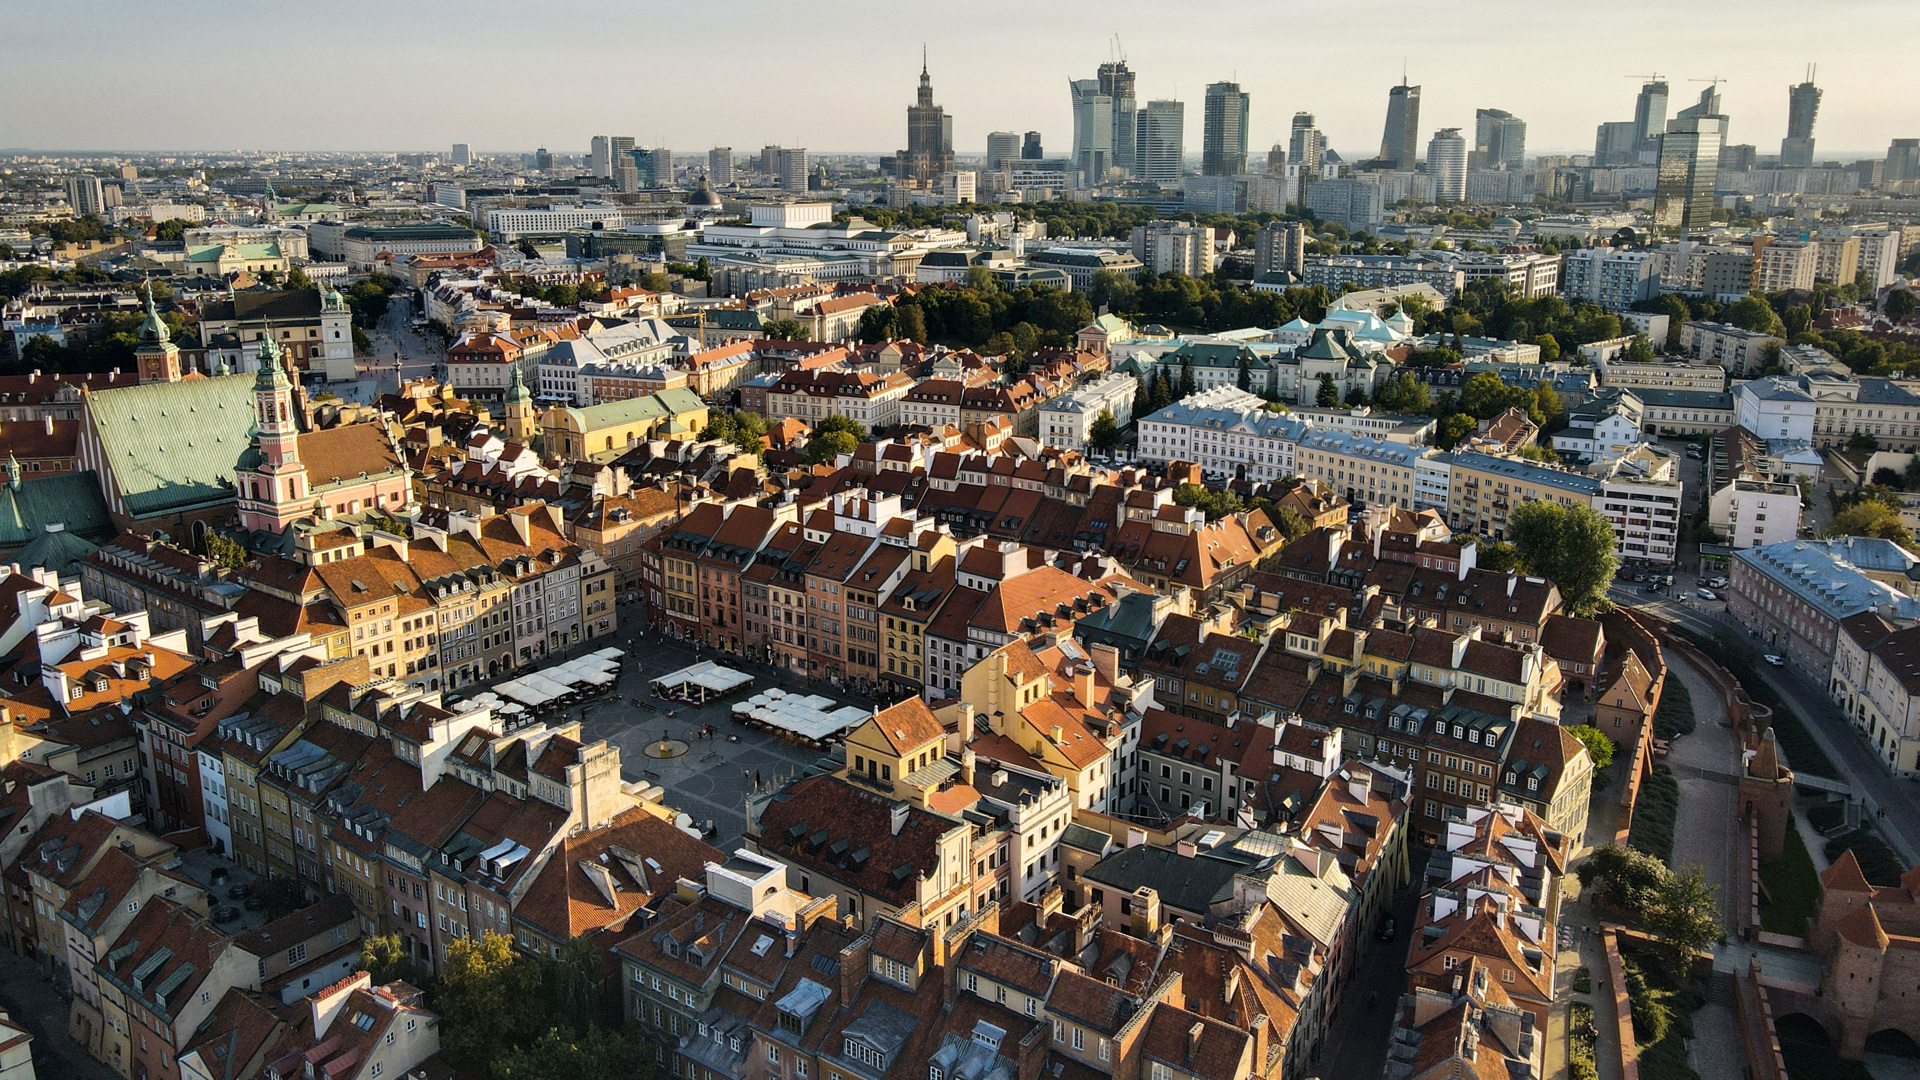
[
  {"x": 1599, "y": 747},
  {"x": 1677, "y": 907},
  {"x": 1571, "y": 546},
  {"x": 517, "y": 1017}
]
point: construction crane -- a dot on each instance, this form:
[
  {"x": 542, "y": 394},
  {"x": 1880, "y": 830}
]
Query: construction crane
[{"x": 1656, "y": 77}]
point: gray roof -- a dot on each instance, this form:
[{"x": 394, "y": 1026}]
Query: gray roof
[
  {"x": 1185, "y": 883},
  {"x": 1528, "y": 471},
  {"x": 1822, "y": 574},
  {"x": 1684, "y": 399}
]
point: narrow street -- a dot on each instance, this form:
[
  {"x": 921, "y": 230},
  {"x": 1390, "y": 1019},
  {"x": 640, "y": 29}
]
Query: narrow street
[
  {"x": 1362, "y": 1028},
  {"x": 32, "y": 1002}
]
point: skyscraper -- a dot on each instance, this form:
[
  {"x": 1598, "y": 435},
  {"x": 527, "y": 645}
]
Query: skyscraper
[
  {"x": 1649, "y": 116},
  {"x": 1401, "y": 139},
  {"x": 462, "y": 154},
  {"x": 1092, "y": 131},
  {"x": 793, "y": 168},
  {"x": 1161, "y": 142},
  {"x": 85, "y": 195},
  {"x": 1223, "y": 146},
  {"x": 652, "y": 168},
  {"x": 1499, "y": 140},
  {"x": 543, "y": 160},
  {"x": 1689, "y": 162},
  {"x": 770, "y": 160},
  {"x": 1030, "y": 147},
  {"x": 720, "y": 166},
  {"x": 1307, "y": 145},
  {"x": 1116, "y": 81},
  {"x": 1803, "y": 104},
  {"x": 1614, "y": 143},
  {"x": 1903, "y": 161},
  {"x": 600, "y": 159},
  {"x": 929, "y": 152},
  {"x": 1002, "y": 148},
  {"x": 1447, "y": 162}
]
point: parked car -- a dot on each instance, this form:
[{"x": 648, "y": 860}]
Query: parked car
[
  {"x": 1776, "y": 660},
  {"x": 1706, "y": 594}
]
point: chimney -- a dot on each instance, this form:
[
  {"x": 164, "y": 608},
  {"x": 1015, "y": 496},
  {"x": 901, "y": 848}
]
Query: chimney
[
  {"x": 965, "y": 729},
  {"x": 900, "y": 810},
  {"x": 1359, "y": 784},
  {"x": 967, "y": 758},
  {"x": 1106, "y": 661},
  {"x": 1054, "y": 731},
  {"x": 1193, "y": 1039},
  {"x": 522, "y": 528},
  {"x": 1052, "y": 899},
  {"x": 853, "y": 968},
  {"x": 1187, "y": 849},
  {"x": 1083, "y": 683},
  {"x": 49, "y": 419}
]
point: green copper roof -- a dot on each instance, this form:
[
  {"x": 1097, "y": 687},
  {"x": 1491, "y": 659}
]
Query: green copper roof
[
  {"x": 72, "y": 500},
  {"x": 171, "y": 446},
  {"x": 211, "y": 252},
  {"x": 681, "y": 400}
]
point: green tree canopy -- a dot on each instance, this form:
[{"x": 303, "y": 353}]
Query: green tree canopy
[
  {"x": 1899, "y": 304},
  {"x": 1571, "y": 546},
  {"x": 1752, "y": 313},
  {"x": 1328, "y": 395},
  {"x": 1215, "y": 503},
  {"x": 1599, "y": 747},
  {"x": 827, "y": 448},
  {"x": 1452, "y": 429},
  {"x": 1639, "y": 350},
  {"x": 1103, "y": 433},
  {"x": 484, "y": 990},
  {"x": 786, "y": 330}
]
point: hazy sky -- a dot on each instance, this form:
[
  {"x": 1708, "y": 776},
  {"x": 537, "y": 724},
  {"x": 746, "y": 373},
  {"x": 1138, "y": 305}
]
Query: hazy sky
[{"x": 837, "y": 76}]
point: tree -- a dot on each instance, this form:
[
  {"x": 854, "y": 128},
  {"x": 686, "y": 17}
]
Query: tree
[
  {"x": 224, "y": 552},
  {"x": 1244, "y": 379},
  {"x": 40, "y": 353},
  {"x": 1752, "y": 313},
  {"x": 1292, "y": 523},
  {"x": 702, "y": 269},
  {"x": 1684, "y": 918},
  {"x": 1886, "y": 477},
  {"x": 656, "y": 282},
  {"x": 1497, "y": 556},
  {"x": 1215, "y": 503},
  {"x": 485, "y": 987},
  {"x": 1870, "y": 517},
  {"x": 525, "y": 247},
  {"x": 1571, "y": 546},
  {"x": 1162, "y": 393},
  {"x": 1549, "y": 348},
  {"x": 1639, "y": 350},
  {"x": 842, "y": 422},
  {"x": 1186, "y": 378},
  {"x": 599, "y": 1054},
  {"x": 981, "y": 279},
  {"x": 1103, "y": 433},
  {"x": 1536, "y": 452},
  {"x": 1898, "y": 305},
  {"x": 1546, "y": 404},
  {"x": 1328, "y": 395},
  {"x": 826, "y": 449},
  {"x": 913, "y": 323},
  {"x": 298, "y": 280},
  {"x": 386, "y": 959},
  {"x": 1599, "y": 747},
  {"x": 786, "y": 330},
  {"x": 1862, "y": 443},
  {"x": 172, "y": 230},
  {"x": 1627, "y": 878},
  {"x": 1451, "y": 430}
]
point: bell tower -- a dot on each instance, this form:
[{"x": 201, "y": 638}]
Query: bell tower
[
  {"x": 274, "y": 490},
  {"x": 158, "y": 357},
  {"x": 520, "y": 423}
]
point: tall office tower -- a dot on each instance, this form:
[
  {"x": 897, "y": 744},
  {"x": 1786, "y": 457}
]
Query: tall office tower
[
  {"x": 929, "y": 152},
  {"x": 1740, "y": 157},
  {"x": 1276, "y": 160},
  {"x": 1223, "y": 144},
  {"x": 542, "y": 160},
  {"x": 1401, "y": 139},
  {"x": 600, "y": 159},
  {"x": 1162, "y": 144},
  {"x": 1030, "y": 147},
  {"x": 720, "y": 166},
  {"x": 1308, "y": 143},
  {"x": 653, "y": 168},
  {"x": 1614, "y": 143},
  {"x": 1092, "y": 131},
  {"x": 1689, "y": 162},
  {"x": 793, "y": 168},
  {"x": 1447, "y": 163},
  {"x": 1649, "y": 117},
  {"x": 462, "y": 154},
  {"x": 1499, "y": 140},
  {"x": 1280, "y": 246},
  {"x": 85, "y": 195},
  {"x": 1003, "y": 148},
  {"x": 1803, "y": 104},
  {"x": 1903, "y": 160},
  {"x": 1116, "y": 81}
]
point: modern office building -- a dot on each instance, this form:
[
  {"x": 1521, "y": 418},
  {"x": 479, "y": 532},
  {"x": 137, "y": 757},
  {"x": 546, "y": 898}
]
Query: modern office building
[
  {"x": 621, "y": 168},
  {"x": 1499, "y": 140},
  {"x": 720, "y": 166},
  {"x": 600, "y": 156},
  {"x": 1223, "y": 149},
  {"x": 929, "y": 152},
  {"x": 1614, "y": 143},
  {"x": 1161, "y": 127},
  {"x": 1116, "y": 82},
  {"x": 1650, "y": 116},
  {"x": 1447, "y": 164},
  {"x": 1401, "y": 139},
  {"x": 1307, "y": 144},
  {"x": 543, "y": 160},
  {"x": 1689, "y": 163},
  {"x": 1003, "y": 149},
  {"x": 652, "y": 167},
  {"x": 1092, "y": 130},
  {"x": 1030, "y": 148},
  {"x": 1903, "y": 160},
  {"x": 1803, "y": 105},
  {"x": 462, "y": 154}
]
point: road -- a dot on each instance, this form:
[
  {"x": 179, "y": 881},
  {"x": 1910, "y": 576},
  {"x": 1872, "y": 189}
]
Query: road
[
  {"x": 1361, "y": 1031},
  {"x": 32, "y": 1002}
]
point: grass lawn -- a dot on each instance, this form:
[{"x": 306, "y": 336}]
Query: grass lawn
[
  {"x": 1793, "y": 889},
  {"x": 1653, "y": 813},
  {"x": 1674, "y": 717},
  {"x": 1657, "y": 997},
  {"x": 1877, "y": 860}
]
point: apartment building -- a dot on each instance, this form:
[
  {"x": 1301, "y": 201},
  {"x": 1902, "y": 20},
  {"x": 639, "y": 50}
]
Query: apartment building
[
  {"x": 1794, "y": 596},
  {"x": 1743, "y": 353}
]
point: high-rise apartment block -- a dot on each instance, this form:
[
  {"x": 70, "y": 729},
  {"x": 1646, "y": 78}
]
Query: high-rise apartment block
[
  {"x": 1308, "y": 144},
  {"x": 720, "y": 166},
  {"x": 1347, "y": 202},
  {"x": 86, "y": 195},
  {"x": 1401, "y": 139},
  {"x": 1161, "y": 144},
  {"x": 1903, "y": 160},
  {"x": 462, "y": 154},
  {"x": 1223, "y": 148},
  {"x": 793, "y": 168},
  {"x": 1447, "y": 163},
  {"x": 1282, "y": 246},
  {"x": 600, "y": 156}
]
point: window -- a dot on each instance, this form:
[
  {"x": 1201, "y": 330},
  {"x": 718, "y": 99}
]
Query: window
[
  {"x": 297, "y": 954},
  {"x": 773, "y": 1054},
  {"x": 1079, "y": 1038}
]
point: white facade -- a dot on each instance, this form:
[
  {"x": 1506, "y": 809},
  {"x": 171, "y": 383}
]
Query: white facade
[
  {"x": 1755, "y": 513},
  {"x": 509, "y": 224},
  {"x": 213, "y": 793},
  {"x": 1067, "y": 420},
  {"x": 1739, "y": 351},
  {"x": 1612, "y": 279},
  {"x": 1775, "y": 409},
  {"x": 1786, "y": 264},
  {"x": 1227, "y": 432}
]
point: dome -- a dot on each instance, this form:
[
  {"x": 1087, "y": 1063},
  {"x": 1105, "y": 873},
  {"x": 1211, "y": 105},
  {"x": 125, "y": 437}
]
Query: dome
[{"x": 704, "y": 197}]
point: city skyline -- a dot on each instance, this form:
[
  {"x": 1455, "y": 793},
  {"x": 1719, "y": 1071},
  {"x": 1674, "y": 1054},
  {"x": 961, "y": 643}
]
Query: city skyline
[{"x": 364, "y": 100}]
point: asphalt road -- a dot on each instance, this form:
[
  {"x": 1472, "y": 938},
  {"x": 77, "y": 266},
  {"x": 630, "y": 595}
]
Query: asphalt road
[{"x": 418, "y": 352}]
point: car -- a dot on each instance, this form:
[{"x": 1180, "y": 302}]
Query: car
[
  {"x": 226, "y": 913},
  {"x": 1776, "y": 659},
  {"x": 1705, "y": 594},
  {"x": 1387, "y": 930},
  {"x": 1717, "y": 583}
]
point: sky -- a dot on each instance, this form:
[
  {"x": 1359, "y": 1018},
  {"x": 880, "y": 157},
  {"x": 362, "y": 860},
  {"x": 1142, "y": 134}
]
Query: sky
[{"x": 836, "y": 75}]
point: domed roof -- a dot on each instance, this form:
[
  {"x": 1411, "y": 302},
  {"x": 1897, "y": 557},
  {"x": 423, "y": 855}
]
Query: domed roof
[{"x": 704, "y": 197}]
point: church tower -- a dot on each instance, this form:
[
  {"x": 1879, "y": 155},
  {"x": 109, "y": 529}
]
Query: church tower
[
  {"x": 158, "y": 357},
  {"x": 273, "y": 490},
  {"x": 520, "y": 424}
]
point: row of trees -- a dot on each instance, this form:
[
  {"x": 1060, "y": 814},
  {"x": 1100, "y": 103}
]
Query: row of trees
[{"x": 980, "y": 315}]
